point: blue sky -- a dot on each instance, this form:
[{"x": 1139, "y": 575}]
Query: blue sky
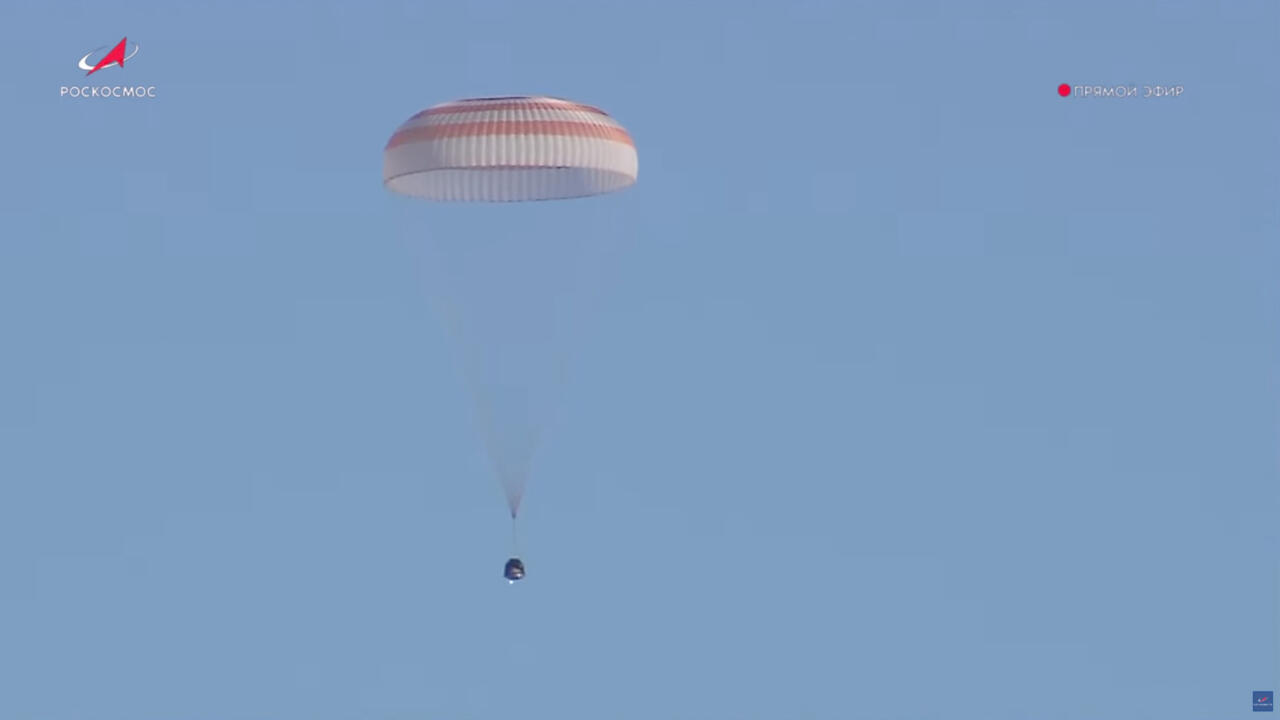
[{"x": 910, "y": 390}]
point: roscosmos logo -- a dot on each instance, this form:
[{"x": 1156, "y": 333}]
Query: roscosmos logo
[
  {"x": 116, "y": 57},
  {"x": 101, "y": 58}
]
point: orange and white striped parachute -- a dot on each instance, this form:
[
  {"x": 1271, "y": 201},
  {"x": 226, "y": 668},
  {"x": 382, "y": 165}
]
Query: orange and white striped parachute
[
  {"x": 509, "y": 149},
  {"x": 506, "y": 298}
]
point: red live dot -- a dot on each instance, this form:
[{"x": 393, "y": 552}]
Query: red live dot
[{"x": 1064, "y": 89}]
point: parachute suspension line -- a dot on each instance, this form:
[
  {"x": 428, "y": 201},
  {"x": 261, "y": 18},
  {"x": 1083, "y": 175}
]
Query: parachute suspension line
[
  {"x": 515, "y": 542},
  {"x": 511, "y": 475}
]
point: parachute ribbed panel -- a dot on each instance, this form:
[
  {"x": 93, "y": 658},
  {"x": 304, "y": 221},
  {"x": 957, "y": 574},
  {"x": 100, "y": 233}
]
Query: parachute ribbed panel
[{"x": 509, "y": 150}]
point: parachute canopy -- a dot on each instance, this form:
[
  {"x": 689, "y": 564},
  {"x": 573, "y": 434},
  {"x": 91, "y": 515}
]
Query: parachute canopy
[{"x": 509, "y": 149}]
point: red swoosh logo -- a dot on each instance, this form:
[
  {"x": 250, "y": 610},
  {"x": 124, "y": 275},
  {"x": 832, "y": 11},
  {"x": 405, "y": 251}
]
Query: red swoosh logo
[{"x": 115, "y": 56}]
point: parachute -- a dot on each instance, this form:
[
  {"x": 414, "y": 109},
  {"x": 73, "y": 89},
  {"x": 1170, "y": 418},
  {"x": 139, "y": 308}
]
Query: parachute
[{"x": 507, "y": 271}]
